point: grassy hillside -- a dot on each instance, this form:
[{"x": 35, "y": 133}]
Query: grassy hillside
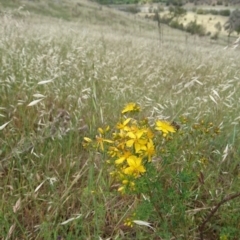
[
  {"x": 64, "y": 77},
  {"x": 210, "y": 20},
  {"x": 66, "y": 10}
]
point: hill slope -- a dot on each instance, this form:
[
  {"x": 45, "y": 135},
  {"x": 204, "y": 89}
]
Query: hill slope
[{"x": 64, "y": 77}]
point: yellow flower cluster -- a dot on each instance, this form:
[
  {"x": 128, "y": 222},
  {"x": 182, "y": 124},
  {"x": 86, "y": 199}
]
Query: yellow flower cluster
[
  {"x": 129, "y": 221},
  {"x": 131, "y": 146}
]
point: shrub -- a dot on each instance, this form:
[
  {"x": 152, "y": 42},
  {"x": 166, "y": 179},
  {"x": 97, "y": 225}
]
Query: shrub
[
  {"x": 233, "y": 23},
  {"x": 218, "y": 26},
  {"x": 215, "y": 36},
  {"x": 213, "y": 12},
  {"x": 177, "y": 11},
  {"x": 160, "y": 9},
  {"x": 132, "y": 9},
  {"x": 194, "y": 9},
  {"x": 195, "y": 28},
  {"x": 225, "y": 12},
  {"x": 176, "y": 24},
  {"x": 201, "y": 11},
  {"x": 166, "y": 19}
]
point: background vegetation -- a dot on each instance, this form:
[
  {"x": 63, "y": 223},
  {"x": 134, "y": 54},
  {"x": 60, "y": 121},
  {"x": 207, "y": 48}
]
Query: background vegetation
[
  {"x": 67, "y": 70},
  {"x": 173, "y": 2}
]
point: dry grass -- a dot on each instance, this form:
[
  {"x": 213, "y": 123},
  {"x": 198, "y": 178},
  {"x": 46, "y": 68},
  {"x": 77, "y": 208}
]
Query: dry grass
[
  {"x": 207, "y": 21},
  {"x": 83, "y": 72}
]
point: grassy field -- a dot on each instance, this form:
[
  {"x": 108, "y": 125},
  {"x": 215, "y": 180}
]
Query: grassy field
[
  {"x": 208, "y": 21},
  {"x": 69, "y": 69}
]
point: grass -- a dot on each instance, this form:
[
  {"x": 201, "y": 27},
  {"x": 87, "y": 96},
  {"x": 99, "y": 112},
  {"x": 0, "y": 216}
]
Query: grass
[{"x": 85, "y": 70}]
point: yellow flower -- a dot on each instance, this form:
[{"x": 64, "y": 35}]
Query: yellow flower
[
  {"x": 204, "y": 162},
  {"x": 131, "y": 107},
  {"x": 122, "y": 189},
  {"x": 103, "y": 131},
  {"x": 119, "y": 135},
  {"x": 135, "y": 167},
  {"x": 150, "y": 150},
  {"x": 128, "y": 222},
  {"x": 100, "y": 130},
  {"x": 87, "y": 139},
  {"x": 123, "y": 157},
  {"x": 113, "y": 151},
  {"x": 129, "y": 183},
  {"x": 126, "y": 184},
  {"x": 136, "y": 140},
  {"x": 134, "y": 128},
  {"x": 100, "y": 140},
  {"x": 86, "y": 142},
  {"x": 165, "y": 127},
  {"x": 120, "y": 138},
  {"x": 123, "y": 125},
  {"x": 224, "y": 237},
  {"x": 150, "y": 134}
]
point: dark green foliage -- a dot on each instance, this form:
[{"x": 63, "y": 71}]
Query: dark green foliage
[
  {"x": 177, "y": 11},
  {"x": 213, "y": 12},
  {"x": 166, "y": 20},
  {"x": 178, "y": 3},
  {"x": 194, "y": 28},
  {"x": 215, "y": 36},
  {"x": 176, "y": 24},
  {"x": 200, "y": 11},
  {"x": 223, "y": 12},
  {"x": 131, "y": 8},
  {"x": 218, "y": 26},
  {"x": 233, "y": 23},
  {"x": 167, "y": 2}
]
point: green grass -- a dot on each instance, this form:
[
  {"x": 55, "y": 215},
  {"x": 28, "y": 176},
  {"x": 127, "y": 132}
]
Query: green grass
[{"x": 98, "y": 61}]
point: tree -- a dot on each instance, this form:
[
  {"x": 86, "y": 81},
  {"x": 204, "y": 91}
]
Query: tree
[
  {"x": 194, "y": 28},
  {"x": 174, "y": 2},
  {"x": 177, "y": 12},
  {"x": 218, "y": 26},
  {"x": 233, "y": 23},
  {"x": 160, "y": 29}
]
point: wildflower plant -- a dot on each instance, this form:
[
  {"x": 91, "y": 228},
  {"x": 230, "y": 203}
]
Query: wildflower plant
[
  {"x": 161, "y": 165},
  {"x": 131, "y": 146}
]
